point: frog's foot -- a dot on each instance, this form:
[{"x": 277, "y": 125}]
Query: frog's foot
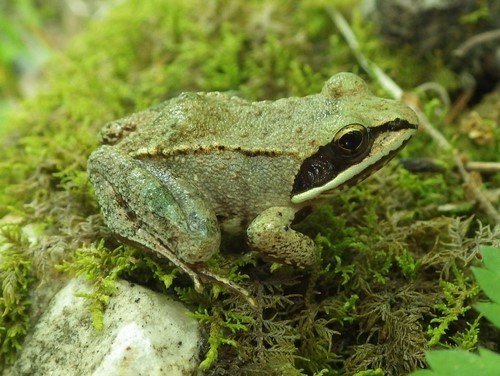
[
  {"x": 227, "y": 283},
  {"x": 157, "y": 247},
  {"x": 271, "y": 236},
  {"x": 196, "y": 272}
]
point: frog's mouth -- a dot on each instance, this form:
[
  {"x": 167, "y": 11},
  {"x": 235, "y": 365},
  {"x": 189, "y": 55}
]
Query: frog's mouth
[{"x": 327, "y": 171}]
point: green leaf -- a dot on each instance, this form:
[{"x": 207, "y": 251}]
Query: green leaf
[
  {"x": 491, "y": 258},
  {"x": 461, "y": 363},
  {"x": 491, "y": 311},
  {"x": 489, "y": 280}
]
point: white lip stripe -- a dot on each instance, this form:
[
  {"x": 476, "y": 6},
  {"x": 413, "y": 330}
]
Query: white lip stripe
[{"x": 347, "y": 174}]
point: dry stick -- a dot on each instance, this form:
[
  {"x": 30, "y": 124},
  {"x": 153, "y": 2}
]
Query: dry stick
[
  {"x": 488, "y": 167},
  {"x": 372, "y": 69},
  {"x": 476, "y": 40},
  {"x": 390, "y": 86}
]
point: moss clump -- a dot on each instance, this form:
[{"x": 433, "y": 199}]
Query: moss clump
[
  {"x": 392, "y": 275},
  {"x": 16, "y": 279},
  {"x": 485, "y": 361},
  {"x": 102, "y": 267}
]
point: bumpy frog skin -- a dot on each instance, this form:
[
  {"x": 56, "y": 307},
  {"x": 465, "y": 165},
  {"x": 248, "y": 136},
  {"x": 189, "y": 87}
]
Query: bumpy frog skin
[{"x": 170, "y": 178}]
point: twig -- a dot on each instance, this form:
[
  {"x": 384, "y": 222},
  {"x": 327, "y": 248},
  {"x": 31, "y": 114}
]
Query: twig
[
  {"x": 478, "y": 39},
  {"x": 396, "y": 92},
  {"x": 489, "y": 167},
  {"x": 372, "y": 69},
  {"x": 469, "y": 86},
  {"x": 438, "y": 89}
]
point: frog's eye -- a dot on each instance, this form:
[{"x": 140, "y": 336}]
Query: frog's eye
[
  {"x": 351, "y": 140},
  {"x": 348, "y": 147}
]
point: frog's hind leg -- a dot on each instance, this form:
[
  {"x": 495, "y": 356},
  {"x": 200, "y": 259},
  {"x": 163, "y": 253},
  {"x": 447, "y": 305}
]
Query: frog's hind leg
[
  {"x": 228, "y": 284},
  {"x": 154, "y": 210}
]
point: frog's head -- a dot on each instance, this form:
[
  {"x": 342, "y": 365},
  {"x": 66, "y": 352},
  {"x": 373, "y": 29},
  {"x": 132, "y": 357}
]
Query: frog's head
[{"x": 368, "y": 131}]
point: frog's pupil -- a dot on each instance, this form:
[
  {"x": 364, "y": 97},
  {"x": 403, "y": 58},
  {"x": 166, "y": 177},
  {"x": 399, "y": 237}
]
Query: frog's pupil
[{"x": 351, "y": 140}]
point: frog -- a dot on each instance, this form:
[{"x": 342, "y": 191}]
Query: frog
[{"x": 177, "y": 177}]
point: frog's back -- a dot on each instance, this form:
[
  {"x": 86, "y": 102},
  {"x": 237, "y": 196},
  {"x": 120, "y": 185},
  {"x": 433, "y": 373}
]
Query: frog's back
[{"x": 213, "y": 121}]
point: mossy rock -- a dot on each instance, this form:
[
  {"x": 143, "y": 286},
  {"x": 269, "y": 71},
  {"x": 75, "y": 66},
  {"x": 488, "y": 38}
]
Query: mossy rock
[{"x": 394, "y": 271}]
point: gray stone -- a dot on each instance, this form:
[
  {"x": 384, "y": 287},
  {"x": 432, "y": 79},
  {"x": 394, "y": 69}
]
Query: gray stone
[{"x": 145, "y": 333}]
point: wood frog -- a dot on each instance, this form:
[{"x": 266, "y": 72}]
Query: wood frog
[{"x": 172, "y": 178}]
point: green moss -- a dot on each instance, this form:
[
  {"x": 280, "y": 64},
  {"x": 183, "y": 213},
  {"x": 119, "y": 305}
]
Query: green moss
[
  {"x": 16, "y": 279},
  {"x": 458, "y": 361},
  {"x": 392, "y": 273},
  {"x": 103, "y": 267},
  {"x": 454, "y": 305}
]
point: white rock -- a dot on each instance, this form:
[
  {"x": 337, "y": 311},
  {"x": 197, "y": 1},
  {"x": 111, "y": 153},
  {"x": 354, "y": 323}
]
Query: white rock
[{"x": 145, "y": 333}]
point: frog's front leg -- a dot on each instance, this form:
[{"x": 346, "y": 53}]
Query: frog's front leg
[
  {"x": 270, "y": 235},
  {"x": 153, "y": 209}
]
